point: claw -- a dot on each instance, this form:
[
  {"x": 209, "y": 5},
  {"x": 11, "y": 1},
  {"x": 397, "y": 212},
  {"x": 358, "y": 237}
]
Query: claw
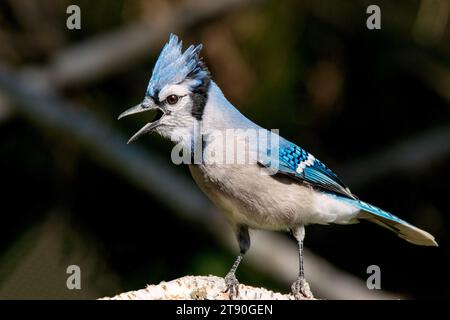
[
  {"x": 232, "y": 286},
  {"x": 300, "y": 290}
]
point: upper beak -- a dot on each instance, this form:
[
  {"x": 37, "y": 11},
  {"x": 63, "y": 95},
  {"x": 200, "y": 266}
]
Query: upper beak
[
  {"x": 147, "y": 105},
  {"x": 136, "y": 109}
]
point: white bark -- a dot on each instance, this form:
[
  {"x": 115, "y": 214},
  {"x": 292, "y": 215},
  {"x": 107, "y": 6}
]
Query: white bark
[{"x": 198, "y": 288}]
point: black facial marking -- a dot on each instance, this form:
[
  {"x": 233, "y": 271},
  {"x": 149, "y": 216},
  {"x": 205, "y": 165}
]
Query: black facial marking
[
  {"x": 199, "y": 98},
  {"x": 199, "y": 94},
  {"x": 204, "y": 86},
  {"x": 198, "y": 105}
]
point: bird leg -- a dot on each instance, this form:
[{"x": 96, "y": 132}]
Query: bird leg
[
  {"x": 300, "y": 288},
  {"x": 231, "y": 282}
]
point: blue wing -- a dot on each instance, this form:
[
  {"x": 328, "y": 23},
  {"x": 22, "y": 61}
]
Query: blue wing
[{"x": 300, "y": 164}]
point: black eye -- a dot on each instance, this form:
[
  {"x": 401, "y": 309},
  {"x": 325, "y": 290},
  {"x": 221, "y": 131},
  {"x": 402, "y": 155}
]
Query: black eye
[{"x": 172, "y": 99}]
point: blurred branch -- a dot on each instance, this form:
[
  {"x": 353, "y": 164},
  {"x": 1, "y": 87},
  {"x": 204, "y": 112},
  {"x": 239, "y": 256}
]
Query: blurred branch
[
  {"x": 434, "y": 72},
  {"x": 5, "y": 108},
  {"x": 198, "y": 288},
  {"x": 104, "y": 144},
  {"x": 108, "y": 53},
  {"x": 416, "y": 154},
  {"x": 431, "y": 21},
  {"x": 270, "y": 251}
]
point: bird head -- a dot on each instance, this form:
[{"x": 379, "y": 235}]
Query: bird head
[{"x": 177, "y": 90}]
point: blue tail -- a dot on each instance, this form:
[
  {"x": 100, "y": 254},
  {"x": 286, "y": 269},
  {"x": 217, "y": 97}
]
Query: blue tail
[{"x": 402, "y": 228}]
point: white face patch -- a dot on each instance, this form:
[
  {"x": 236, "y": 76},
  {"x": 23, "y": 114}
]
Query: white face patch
[
  {"x": 176, "y": 89},
  {"x": 302, "y": 165}
]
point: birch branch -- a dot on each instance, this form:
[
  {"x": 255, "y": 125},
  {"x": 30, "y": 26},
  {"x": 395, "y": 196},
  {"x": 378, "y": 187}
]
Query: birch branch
[{"x": 198, "y": 288}]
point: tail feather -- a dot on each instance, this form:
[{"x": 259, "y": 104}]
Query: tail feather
[{"x": 385, "y": 219}]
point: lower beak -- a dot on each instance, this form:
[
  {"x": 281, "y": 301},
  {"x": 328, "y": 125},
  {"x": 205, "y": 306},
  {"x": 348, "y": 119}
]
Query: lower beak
[
  {"x": 147, "y": 128},
  {"x": 138, "y": 109}
]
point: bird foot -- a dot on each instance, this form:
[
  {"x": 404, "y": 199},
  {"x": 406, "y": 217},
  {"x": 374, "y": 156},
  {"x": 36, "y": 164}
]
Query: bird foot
[
  {"x": 300, "y": 290},
  {"x": 232, "y": 286}
]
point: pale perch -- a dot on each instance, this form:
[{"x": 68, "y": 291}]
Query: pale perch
[{"x": 198, "y": 288}]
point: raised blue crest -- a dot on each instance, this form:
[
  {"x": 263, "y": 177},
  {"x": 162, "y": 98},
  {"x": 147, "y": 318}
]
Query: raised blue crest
[{"x": 174, "y": 66}]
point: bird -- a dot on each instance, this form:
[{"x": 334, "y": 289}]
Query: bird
[{"x": 255, "y": 177}]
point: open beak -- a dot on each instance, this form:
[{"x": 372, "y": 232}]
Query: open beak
[{"x": 147, "y": 105}]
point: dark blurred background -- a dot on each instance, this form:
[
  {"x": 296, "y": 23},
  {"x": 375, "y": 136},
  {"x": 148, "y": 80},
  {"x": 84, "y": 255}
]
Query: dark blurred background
[{"x": 372, "y": 104}]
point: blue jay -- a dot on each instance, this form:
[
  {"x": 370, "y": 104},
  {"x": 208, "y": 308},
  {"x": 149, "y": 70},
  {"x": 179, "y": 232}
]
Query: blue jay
[{"x": 194, "y": 114}]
